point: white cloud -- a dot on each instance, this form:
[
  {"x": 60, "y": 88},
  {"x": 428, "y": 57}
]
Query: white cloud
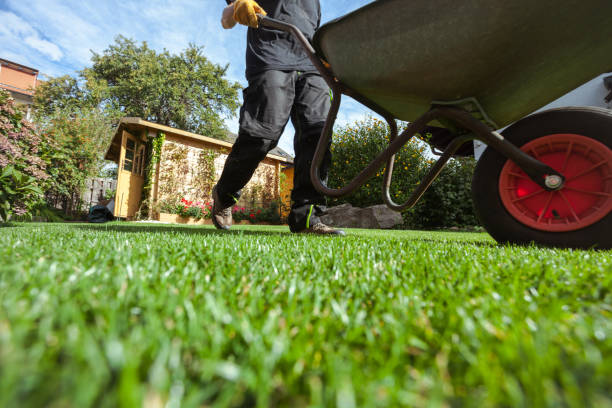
[
  {"x": 45, "y": 47},
  {"x": 15, "y": 31}
]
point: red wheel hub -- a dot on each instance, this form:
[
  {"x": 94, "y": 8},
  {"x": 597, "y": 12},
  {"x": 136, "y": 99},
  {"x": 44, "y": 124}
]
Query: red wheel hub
[{"x": 584, "y": 199}]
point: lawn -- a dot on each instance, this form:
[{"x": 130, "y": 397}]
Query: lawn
[{"x": 131, "y": 314}]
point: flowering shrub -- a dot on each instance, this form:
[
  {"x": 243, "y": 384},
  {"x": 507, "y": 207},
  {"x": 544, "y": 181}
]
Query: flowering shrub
[
  {"x": 446, "y": 203},
  {"x": 268, "y": 214},
  {"x": 23, "y": 170},
  {"x": 195, "y": 210},
  {"x": 199, "y": 210}
]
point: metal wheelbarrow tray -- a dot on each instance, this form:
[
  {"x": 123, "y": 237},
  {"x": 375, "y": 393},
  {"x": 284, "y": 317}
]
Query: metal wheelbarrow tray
[{"x": 476, "y": 66}]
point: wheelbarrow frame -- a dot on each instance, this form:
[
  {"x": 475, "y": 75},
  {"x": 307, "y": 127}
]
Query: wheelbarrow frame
[{"x": 540, "y": 173}]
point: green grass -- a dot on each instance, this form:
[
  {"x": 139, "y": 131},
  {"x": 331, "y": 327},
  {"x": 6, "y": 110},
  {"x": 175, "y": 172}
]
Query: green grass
[{"x": 131, "y": 314}]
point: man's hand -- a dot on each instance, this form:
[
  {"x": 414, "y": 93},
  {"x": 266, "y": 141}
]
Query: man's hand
[
  {"x": 245, "y": 12},
  {"x": 227, "y": 18}
]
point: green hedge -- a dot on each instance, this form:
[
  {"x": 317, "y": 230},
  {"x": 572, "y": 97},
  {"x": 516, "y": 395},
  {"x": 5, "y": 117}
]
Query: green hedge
[{"x": 447, "y": 203}]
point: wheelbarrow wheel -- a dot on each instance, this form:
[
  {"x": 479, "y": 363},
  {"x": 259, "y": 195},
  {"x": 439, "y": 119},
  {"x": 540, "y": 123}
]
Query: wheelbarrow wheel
[{"x": 576, "y": 142}]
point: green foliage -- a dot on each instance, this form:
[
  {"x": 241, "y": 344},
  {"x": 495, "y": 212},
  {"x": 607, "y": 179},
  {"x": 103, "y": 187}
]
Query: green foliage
[
  {"x": 23, "y": 172},
  {"x": 75, "y": 143},
  {"x": 354, "y": 147},
  {"x": 61, "y": 94},
  {"x": 204, "y": 173},
  {"x": 186, "y": 91},
  {"x": 137, "y": 315},
  {"x": 18, "y": 193},
  {"x": 109, "y": 194},
  {"x": 448, "y": 201},
  {"x": 153, "y": 151}
]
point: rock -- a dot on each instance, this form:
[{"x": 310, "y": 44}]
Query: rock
[
  {"x": 385, "y": 217},
  {"x": 347, "y": 216}
]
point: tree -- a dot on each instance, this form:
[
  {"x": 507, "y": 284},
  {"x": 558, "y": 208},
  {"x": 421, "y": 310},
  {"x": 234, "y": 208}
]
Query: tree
[
  {"x": 76, "y": 142},
  {"x": 58, "y": 94},
  {"x": 186, "y": 91}
]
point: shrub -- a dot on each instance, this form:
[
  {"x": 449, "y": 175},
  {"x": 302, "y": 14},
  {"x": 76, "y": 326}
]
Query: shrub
[
  {"x": 109, "y": 194},
  {"x": 269, "y": 214},
  {"x": 18, "y": 193},
  {"x": 24, "y": 172},
  {"x": 354, "y": 147},
  {"x": 195, "y": 210},
  {"x": 447, "y": 202}
]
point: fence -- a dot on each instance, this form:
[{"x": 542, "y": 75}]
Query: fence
[{"x": 95, "y": 191}]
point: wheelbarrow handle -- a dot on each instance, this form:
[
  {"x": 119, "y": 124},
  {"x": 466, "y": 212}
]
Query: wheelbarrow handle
[{"x": 268, "y": 22}]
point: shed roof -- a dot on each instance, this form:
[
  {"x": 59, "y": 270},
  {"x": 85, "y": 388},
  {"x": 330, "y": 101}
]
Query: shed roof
[{"x": 138, "y": 124}]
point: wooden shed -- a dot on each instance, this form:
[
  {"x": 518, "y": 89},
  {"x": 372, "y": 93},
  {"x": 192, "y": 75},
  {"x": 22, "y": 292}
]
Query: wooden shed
[{"x": 159, "y": 165}]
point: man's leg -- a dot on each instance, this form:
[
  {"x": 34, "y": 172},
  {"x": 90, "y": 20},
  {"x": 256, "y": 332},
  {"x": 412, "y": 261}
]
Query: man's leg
[
  {"x": 263, "y": 116},
  {"x": 308, "y": 116}
]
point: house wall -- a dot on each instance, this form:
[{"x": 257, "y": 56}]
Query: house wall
[
  {"x": 20, "y": 82},
  {"x": 286, "y": 185},
  {"x": 15, "y": 80},
  {"x": 189, "y": 169}
]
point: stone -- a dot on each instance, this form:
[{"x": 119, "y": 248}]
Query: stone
[
  {"x": 347, "y": 216},
  {"x": 385, "y": 217}
]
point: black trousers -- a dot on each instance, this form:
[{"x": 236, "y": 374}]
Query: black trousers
[{"x": 270, "y": 100}]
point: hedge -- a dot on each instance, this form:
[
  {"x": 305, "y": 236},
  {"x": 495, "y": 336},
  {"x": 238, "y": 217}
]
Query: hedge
[{"x": 447, "y": 203}]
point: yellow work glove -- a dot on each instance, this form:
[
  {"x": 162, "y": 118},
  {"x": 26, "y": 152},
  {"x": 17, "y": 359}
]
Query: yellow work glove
[{"x": 245, "y": 12}]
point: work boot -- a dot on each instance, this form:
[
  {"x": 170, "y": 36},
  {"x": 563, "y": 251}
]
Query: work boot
[
  {"x": 221, "y": 216},
  {"x": 321, "y": 229}
]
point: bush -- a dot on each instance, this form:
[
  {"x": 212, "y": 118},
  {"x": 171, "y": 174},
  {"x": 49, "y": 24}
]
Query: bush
[
  {"x": 269, "y": 214},
  {"x": 24, "y": 172},
  {"x": 354, "y": 147},
  {"x": 447, "y": 202},
  {"x": 195, "y": 210},
  {"x": 18, "y": 193}
]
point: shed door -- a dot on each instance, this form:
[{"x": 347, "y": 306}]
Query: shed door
[{"x": 130, "y": 177}]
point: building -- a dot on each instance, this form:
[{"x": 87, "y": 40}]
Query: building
[
  {"x": 20, "y": 81},
  {"x": 185, "y": 165}
]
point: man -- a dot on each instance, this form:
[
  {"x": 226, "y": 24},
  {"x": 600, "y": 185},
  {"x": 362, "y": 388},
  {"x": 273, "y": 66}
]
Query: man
[{"x": 283, "y": 84}]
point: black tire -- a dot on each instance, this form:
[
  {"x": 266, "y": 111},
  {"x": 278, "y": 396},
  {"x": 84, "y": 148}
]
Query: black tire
[{"x": 593, "y": 123}]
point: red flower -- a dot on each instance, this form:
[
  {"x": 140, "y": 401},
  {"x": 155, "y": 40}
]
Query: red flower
[{"x": 252, "y": 215}]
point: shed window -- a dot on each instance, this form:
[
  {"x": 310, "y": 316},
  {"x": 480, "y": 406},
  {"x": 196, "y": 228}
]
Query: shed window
[
  {"x": 128, "y": 163},
  {"x": 139, "y": 161}
]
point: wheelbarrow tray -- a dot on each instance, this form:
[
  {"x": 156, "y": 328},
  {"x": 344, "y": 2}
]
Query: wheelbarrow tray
[{"x": 512, "y": 56}]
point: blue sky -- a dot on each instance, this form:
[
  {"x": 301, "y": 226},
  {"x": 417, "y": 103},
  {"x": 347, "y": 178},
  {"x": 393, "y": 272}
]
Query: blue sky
[{"x": 57, "y": 36}]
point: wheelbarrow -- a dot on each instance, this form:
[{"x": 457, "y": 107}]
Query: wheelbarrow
[{"x": 473, "y": 67}]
